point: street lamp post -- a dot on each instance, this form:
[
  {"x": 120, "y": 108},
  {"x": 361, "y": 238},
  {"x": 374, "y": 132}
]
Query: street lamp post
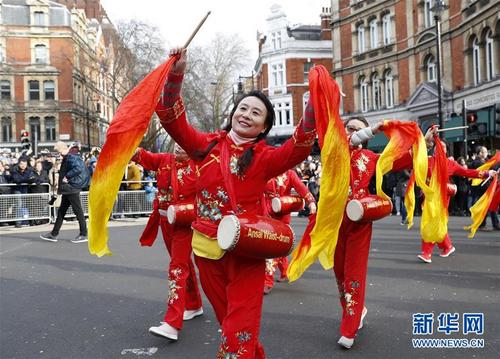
[
  {"x": 437, "y": 9},
  {"x": 88, "y": 124}
]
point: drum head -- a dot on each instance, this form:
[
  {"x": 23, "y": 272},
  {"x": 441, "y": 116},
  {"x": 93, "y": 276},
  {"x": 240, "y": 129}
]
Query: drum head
[
  {"x": 354, "y": 210},
  {"x": 276, "y": 205},
  {"x": 228, "y": 232},
  {"x": 171, "y": 214}
]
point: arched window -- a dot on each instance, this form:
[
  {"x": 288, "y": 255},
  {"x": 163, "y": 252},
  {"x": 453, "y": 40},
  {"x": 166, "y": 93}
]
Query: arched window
[
  {"x": 430, "y": 67},
  {"x": 490, "y": 56},
  {"x": 389, "y": 89},
  {"x": 34, "y": 122},
  {"x": 386, "y": 28},
  {"x": 41, "y": 54},
  {"x": 363, "y": 92},
  {"x": 428, "y": 14},
  {"x": 361, "y": 38},
  {"x": 6, "y": 129},
  {"x": 373, "y": 34},
  {"x": 476, "y": 61},
  {"x": 376, "y": 96}
]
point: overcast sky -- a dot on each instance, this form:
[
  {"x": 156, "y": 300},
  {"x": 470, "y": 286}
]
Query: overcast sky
[{"x": 177, "y": 19}]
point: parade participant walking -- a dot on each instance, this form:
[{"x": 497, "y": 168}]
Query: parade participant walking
[
  {"x": 176, "y": 182},
  {"x": 281, "y": 186},
  {"x": 73, "y": 176},
  {"x": 233, "y": 168},
  {"x": 454, "y": 169},
  {"x": 351, "y": 253}
]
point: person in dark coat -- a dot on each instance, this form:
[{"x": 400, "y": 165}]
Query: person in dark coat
[
  {"x": 73, "y": 176},
  {"x": 23, "y": 176}
]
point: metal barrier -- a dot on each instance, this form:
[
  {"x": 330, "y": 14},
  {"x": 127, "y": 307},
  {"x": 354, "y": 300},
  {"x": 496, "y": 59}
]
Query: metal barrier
[{"x": 34, "y": 206}]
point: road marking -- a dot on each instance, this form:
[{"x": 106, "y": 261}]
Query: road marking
[{"x": 140, "y": 351}]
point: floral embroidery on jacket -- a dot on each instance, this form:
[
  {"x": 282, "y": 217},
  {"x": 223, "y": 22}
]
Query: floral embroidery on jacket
[
  {"x": 173, "y": 286},
  {"x": 270, "y": 266},
  {"x": 224, "y": 352},
  {"x": 165, "y": 195},
  {"x": 210, "y": 205},
  {"x": 233, "y": 165},
  {"x": 181, "y": 172},
  {"x": 280, "y": 180}
]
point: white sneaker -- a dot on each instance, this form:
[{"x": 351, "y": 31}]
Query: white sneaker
[
  {"x": 165, "y": 330},
  {"x": 190, "y": 314},
  {"x": 363, "y": 315},
  {"x": 346, "y": 342}
]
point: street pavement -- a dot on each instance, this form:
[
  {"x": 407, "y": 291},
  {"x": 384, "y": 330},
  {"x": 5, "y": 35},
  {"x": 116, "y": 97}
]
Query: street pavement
[{"x": 57, "y": 301}]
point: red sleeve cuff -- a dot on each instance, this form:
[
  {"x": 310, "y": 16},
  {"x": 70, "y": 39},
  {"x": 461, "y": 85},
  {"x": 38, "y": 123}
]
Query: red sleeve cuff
[
  {"x": 303, "y": 139},
  {"x": 170, "y": 114}
]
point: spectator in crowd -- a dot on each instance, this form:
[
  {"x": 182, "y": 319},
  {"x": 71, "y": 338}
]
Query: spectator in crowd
[
  {"x": 462, "y": 184},
  {"x": 53, "y": 176},
  {"x": 47, "y": 160},
  {"x": 40, "y": 186},
  {"x": 73, "y": 176},
  {"x": 134, "y": 177},
  {"x": 402, "y": 179},
  {"x": 4, "y": 179},
  {"x": 23, "y": 176}
]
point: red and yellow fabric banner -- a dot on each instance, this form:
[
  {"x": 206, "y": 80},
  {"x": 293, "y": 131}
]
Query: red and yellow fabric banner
[
  {"x": 124, "y": 135},
  {"x": 335, "y": 157},
  {"x": 479, "y": 210},
  {"x": 434, "y": 222},
  {"x": 490, "y": 163},
  {"x": 410, "y": 200}
]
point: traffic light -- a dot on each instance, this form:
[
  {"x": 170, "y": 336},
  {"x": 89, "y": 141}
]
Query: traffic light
[
  {"x": 25, "y": 140},
  {"x": 472, "y": 123}
]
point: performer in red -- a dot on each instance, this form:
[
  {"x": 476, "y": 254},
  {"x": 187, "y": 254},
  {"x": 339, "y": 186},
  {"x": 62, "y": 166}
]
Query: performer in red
[
  {"x": 176, "y": 182},
  {"x": 454, "y": 169},
  {"x": 233, "y": 168},
  {"x": 351, "y": 253},
  {"x": 281, "y": 186}
]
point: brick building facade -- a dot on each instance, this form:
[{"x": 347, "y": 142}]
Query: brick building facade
[
  {"x": 53, "y": 76},
  {"x": 384, "y": 57},
  {"x": 286, "y": 53}
]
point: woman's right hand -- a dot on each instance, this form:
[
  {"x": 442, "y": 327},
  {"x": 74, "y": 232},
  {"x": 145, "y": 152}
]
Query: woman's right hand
[{"x": 179, "y": 67}]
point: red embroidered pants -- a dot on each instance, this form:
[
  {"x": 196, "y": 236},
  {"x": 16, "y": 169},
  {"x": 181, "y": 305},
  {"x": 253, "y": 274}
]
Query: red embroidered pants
[
  {"x": 233, "y": 285},
  {"x": 183, "y": 285},
  {"x": 350, "y": 267},
  {"x": 271, "y": 266}
]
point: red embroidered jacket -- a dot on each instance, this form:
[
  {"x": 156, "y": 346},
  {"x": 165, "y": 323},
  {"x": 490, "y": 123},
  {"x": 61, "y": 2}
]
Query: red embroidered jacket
[
  {"x": 282, "y": 186},
  {"x": 212, "y": 195}
]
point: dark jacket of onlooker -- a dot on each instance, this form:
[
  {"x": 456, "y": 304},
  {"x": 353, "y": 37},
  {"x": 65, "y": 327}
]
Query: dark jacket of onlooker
[
  {"x": 22, "y": 178},
  {"x": 74, "y": 170}
]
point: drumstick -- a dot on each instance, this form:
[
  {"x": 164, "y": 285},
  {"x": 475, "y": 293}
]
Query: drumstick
[
  {"x": 452, "y": 128},
  {"x": 196, "y": 30}
]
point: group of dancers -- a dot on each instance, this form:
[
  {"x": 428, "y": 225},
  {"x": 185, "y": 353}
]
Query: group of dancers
[{"x": 233, "y": 172}]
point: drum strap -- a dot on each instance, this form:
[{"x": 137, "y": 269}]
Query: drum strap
[{"x": 228, "y": 181}]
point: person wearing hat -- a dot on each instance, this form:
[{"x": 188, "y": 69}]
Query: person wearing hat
[{"x": 73, "y": 176}]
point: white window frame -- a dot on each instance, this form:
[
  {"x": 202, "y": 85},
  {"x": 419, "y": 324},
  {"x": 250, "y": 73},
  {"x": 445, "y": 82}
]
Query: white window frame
[
  {"x": 428, "y": 14},
  {"x": 277, "y": 74},
  {"x": 53, "y": 130},
  {"x": 283, "y": 113},
  {"x": 6, "y": 123},
  {"x": 361, "y": 38},
  {"x": 386, "y": 28},
  {"x": 276, "y": 40},
  {"x": 490, "y": 56},
  {"x": 6, "y": 82},
  {"x": 45, "y": 87},
  {"x": 363, "y": 94},
  {"x": 373, "y": 34},
  {"x": 389, "y": 89},
  {"x": 39, "y": 18},
  {"x": 376, "y": 95},
  {"x": 431, "y": 69},
  {"x": 44, "y": 59},
  {"x": 476, "y": 61}
]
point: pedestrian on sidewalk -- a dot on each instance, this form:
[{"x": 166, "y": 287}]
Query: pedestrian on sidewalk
[{"x": 73, "y": 176}]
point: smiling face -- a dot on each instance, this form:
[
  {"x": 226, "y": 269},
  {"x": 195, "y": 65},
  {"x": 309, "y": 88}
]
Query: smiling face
[
  {"x": 354, "y": 126},
  {"x": 249, "y": 119}
]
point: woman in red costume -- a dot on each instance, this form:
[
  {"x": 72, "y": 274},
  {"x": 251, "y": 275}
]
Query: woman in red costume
[
  {"x": 232, "y": 168},
  {"x": 278, "y": 187},
  {"x": 454, "y": 169},
  {"x": 353, "y": 246},
  {"x": 176, "y": 182}
]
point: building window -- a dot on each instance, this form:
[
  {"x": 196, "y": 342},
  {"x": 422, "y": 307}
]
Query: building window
[
  {"x": 50, "y": 128},
  {"x": 49, "y": 90},
  {"x": 476, "y": 61},
  {"x": 389, "y": 90},
  {"x": 41, "y": 54},
  {"x": 307, "y": 67},
  {"x": 276, "y": 40},
  {"x": 373, "y": 34},
  {"x": 283, "y": 114},
  {"x": 5, "y": 90},
  {"x": 40, "y": 18},
  {"x": 2, "y": 54},
  {"x": 6, "y": 129},
  {"x": 363, "y": 98},
  {"x": 430, "y": 66},
  {"x": 34, "y": 129},
  {"x": 386, "y": 28},
  {"x": 34, "y": 90},
  {"x": 277, "y": 75},
  {"x": 490, "y": 57},
  {"x": 361, "y": 38},
  {"x": 428, "y": 14},
  {"x": 376, "y": 97}
]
